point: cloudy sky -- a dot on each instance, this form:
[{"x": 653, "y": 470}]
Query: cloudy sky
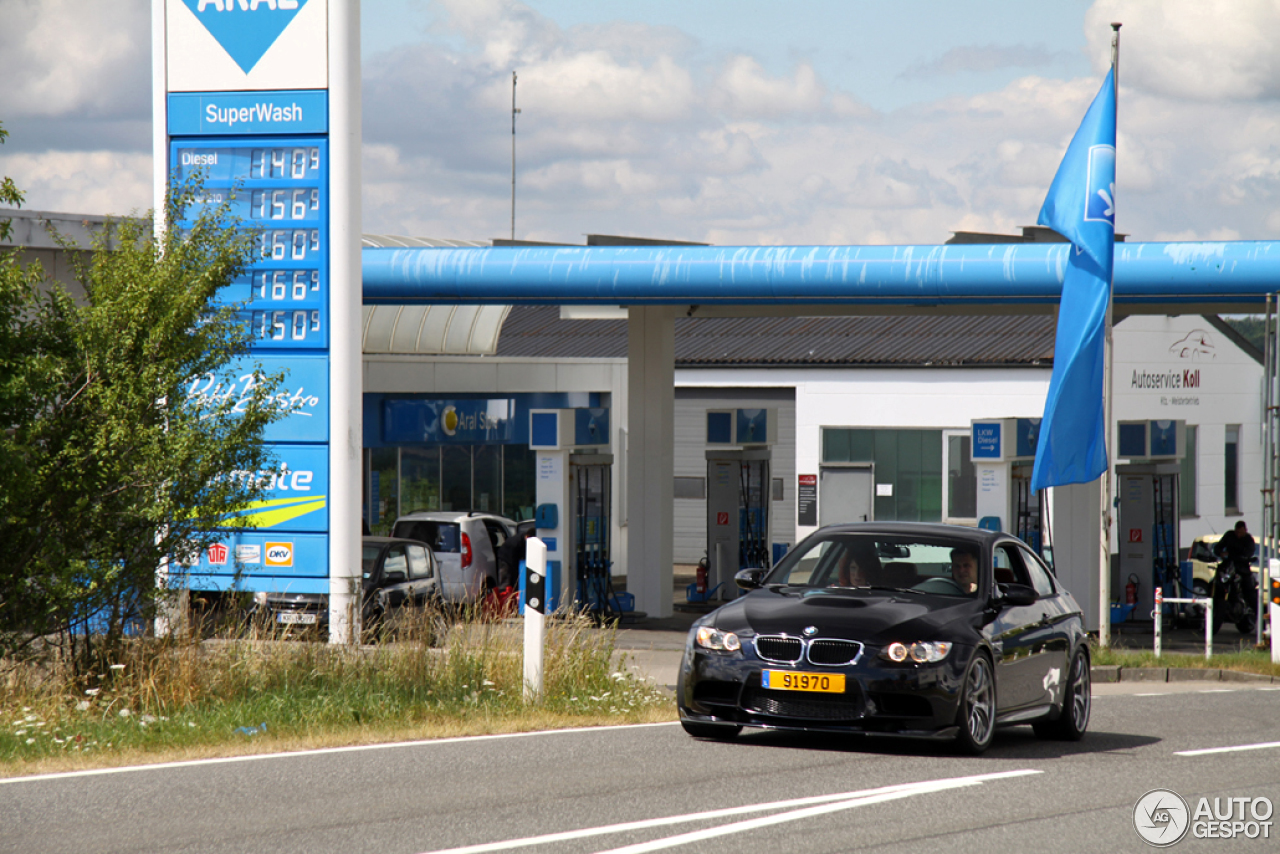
[{"x": 725, "y": 121}]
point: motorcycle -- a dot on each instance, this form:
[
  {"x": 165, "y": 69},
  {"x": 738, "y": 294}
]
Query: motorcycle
[{"x": 1229, "y": 600}]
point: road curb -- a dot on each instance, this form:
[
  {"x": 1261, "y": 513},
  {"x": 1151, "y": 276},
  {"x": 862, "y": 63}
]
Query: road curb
[{"x": 1116, "y": 673}]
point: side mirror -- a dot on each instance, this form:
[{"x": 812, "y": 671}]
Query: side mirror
[
  {"x": 748, "y": 579},
  {"x": 395, "y": 576},
  {"x": 1017, "y": 595}
]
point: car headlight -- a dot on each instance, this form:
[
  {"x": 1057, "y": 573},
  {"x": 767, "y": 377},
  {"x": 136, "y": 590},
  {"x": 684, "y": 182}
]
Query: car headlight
[
  {"x": 260, "y": 598},
  {"x": 920, "y": 652},
  {"x": 709, "y": 638}
]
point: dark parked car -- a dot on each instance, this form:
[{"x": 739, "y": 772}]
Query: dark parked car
[
  {"x": 396, "y": 573},
  {"x": 897, "y": 629}
]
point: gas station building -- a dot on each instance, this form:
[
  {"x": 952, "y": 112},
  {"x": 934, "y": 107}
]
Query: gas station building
[{"x": 872, "y": 413}]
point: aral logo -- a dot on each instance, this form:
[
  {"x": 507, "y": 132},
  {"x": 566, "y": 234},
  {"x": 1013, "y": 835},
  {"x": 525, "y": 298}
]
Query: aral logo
[
  {"x": 246, "y": 29},
  {"x": 279, "y": 554},
  {"x": 218, "y": 554},
  {"x": 1100, "y": 204}
]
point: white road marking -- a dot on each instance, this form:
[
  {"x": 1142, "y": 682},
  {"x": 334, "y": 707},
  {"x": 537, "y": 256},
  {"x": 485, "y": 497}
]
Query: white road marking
[
  {"x": 1218, "y": 691},
  {"x": 1234, "y": 749},
  {"x": 319, "y": 751},
  {"x": 1156, "y": 694},
  {"x": 827, "y": 803}
]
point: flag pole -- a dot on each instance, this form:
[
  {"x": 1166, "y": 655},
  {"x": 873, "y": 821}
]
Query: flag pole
[{"x": 1104, "y": 558}]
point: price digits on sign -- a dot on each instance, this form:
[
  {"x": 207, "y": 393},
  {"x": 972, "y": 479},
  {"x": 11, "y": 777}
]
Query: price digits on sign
[
  {"x": 298, "y": 163},
  {"x": 278, "y": 185}
]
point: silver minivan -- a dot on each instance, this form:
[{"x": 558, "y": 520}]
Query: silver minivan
[{"x": 465, "y": 545}]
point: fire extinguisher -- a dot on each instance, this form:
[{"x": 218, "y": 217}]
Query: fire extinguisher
[
  {"x": 702, "y": 576},
  {"x": 1131, "y": 591}
]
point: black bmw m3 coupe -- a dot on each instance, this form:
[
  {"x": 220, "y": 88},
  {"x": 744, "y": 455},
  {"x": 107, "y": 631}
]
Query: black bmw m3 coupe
[{"x": 896, "y": 629}]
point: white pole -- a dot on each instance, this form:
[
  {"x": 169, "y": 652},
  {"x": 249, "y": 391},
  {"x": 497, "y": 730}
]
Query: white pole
[
  {"x": 1157, "y": 619},
  {"x": 1104, "y": 558},
  {"x": 1275, "y": 636},
  {"x": 535, "y": 619},
  {"x": 1208, "y": 628},
  {"x": 345, "y": 299}
]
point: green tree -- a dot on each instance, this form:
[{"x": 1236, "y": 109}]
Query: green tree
[
  {"x": 107, "y": 468},
  {"x": 9, "y": 192}
]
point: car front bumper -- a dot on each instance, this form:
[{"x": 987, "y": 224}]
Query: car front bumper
[{"x": 880, "y": 697}]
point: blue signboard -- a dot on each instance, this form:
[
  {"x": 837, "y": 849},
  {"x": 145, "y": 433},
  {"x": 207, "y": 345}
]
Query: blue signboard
[
  {"x": 986, "y": 440},
  {"x": 297, "y": 491},
  {"x": 449, "y": 422},
  {"x": 1028, "y": 434},
  {"x": 263, "y": 155},
  {"x": 252, "y": 553},
  {"x": 304, "y": 395},
  {"x": 219, "y": 114},
  {"x": 590, "y": 427},
  {"x": 279, "y": 188},
  {"x": 1164, "y": 438}
]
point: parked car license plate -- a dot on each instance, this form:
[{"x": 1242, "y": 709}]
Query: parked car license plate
[
  {"x": 294, "y": 618},
  {"x": 789, "y": 680}
]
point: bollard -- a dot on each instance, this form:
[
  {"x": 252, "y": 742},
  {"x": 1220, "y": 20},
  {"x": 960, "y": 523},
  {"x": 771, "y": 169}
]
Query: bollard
[
  {"x": 1157, "y": 616},
  {"x": 535, "y": 619}
]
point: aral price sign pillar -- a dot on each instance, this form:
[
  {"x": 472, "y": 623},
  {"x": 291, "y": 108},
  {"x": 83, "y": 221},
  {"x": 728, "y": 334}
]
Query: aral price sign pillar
[{"x": 262, "y": 98}]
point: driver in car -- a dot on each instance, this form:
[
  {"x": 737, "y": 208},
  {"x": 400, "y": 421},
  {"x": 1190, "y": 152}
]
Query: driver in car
[{"x": 964, "y": 569}]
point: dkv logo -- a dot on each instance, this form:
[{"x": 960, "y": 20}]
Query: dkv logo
[
  {"x": 279, "y": 554},
  {"x": 246, "y": 29}
]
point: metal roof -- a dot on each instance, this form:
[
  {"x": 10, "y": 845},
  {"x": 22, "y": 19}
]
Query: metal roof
[
  {"x": 937, "y": 340},
  {"x": 430, "y": 330}
]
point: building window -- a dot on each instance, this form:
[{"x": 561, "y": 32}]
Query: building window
[
  {"x": 908, "y": 468},
  {"x": 1231, "y": 469},
  {"x": 1187, "y": 476},
  {"x": 962, "y": 484},
  {"x": 419, "y": 479},
  {"x": 519, "y": 481},
  {"x": 691, "y": 487}
]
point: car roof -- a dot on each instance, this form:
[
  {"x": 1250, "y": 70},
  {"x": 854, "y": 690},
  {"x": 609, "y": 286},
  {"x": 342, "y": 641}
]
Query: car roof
[
  {"x": 453, "y": 515},
  {"x": 978, "y": 536},
  {"x": 382, "y": 541}
]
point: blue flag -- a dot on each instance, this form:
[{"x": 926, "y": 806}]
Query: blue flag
[{"x": 1081, "y": 207}]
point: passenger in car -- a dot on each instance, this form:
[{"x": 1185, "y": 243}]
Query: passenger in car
[
  {"x": 859, "y": 567},
  {"x": 964, "y": 568}
]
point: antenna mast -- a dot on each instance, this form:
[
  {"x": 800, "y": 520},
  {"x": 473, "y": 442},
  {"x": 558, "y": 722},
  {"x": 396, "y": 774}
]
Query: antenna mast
[{"x": 513, "y": 155}]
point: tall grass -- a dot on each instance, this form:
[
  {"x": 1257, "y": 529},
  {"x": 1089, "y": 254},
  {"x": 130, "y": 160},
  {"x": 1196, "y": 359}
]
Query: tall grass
[
  {"x": 1244, "y": 660},
  {"x": 165, "y": 698}
]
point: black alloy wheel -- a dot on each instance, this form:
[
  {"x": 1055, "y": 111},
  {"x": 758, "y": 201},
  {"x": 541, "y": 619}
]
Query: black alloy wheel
[
  {"x": 1076, "y": 704},
  {"x": 976, "y": 716}
]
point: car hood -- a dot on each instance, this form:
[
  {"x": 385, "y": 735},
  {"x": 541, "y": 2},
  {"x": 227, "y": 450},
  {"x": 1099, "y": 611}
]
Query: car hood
[{"x": 872, "y": 616}]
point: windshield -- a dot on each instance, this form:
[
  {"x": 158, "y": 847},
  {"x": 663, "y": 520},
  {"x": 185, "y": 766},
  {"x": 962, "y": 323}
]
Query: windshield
[
  {"x": 441, "y": 536},
  {"x": 943, "y": 566}
]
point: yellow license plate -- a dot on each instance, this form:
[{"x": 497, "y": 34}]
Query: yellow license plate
[{"x": 788, "y": 680}]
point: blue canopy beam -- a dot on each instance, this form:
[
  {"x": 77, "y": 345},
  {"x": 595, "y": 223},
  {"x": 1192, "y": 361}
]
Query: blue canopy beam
[{"x": 1233, "y": 273}]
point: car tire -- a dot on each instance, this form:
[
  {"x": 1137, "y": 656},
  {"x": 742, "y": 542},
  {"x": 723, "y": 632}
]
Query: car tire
[
  {"x": 976, "y": 714},
  {"x": 719, "y": 732},
  {"x": 1077, "y": 703}
]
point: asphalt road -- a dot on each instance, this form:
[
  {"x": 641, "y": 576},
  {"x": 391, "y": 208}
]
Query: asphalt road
[{"x": 763, "y": 793}]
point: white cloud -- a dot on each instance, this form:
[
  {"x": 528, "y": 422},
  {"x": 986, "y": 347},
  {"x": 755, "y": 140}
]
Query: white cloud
[
  {"x": 103, "y": 182},
  {"x": 68, "y": 56},
  {"x": 1195, "y": 49},
  {"x": 634, "y": 129}
]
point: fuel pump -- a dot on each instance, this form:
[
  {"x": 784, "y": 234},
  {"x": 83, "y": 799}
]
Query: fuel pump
[
  {"x": 573, "y": 501},
  {"x": 1148, "y": 523},
  {"x": 1003, "y": 452},
  {"x": 590, "y": 492},
  {"x": 739, "y": 523}
]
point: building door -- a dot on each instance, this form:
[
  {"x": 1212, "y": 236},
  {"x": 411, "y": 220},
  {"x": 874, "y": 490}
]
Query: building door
[{"x": 846, "y": 494}]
